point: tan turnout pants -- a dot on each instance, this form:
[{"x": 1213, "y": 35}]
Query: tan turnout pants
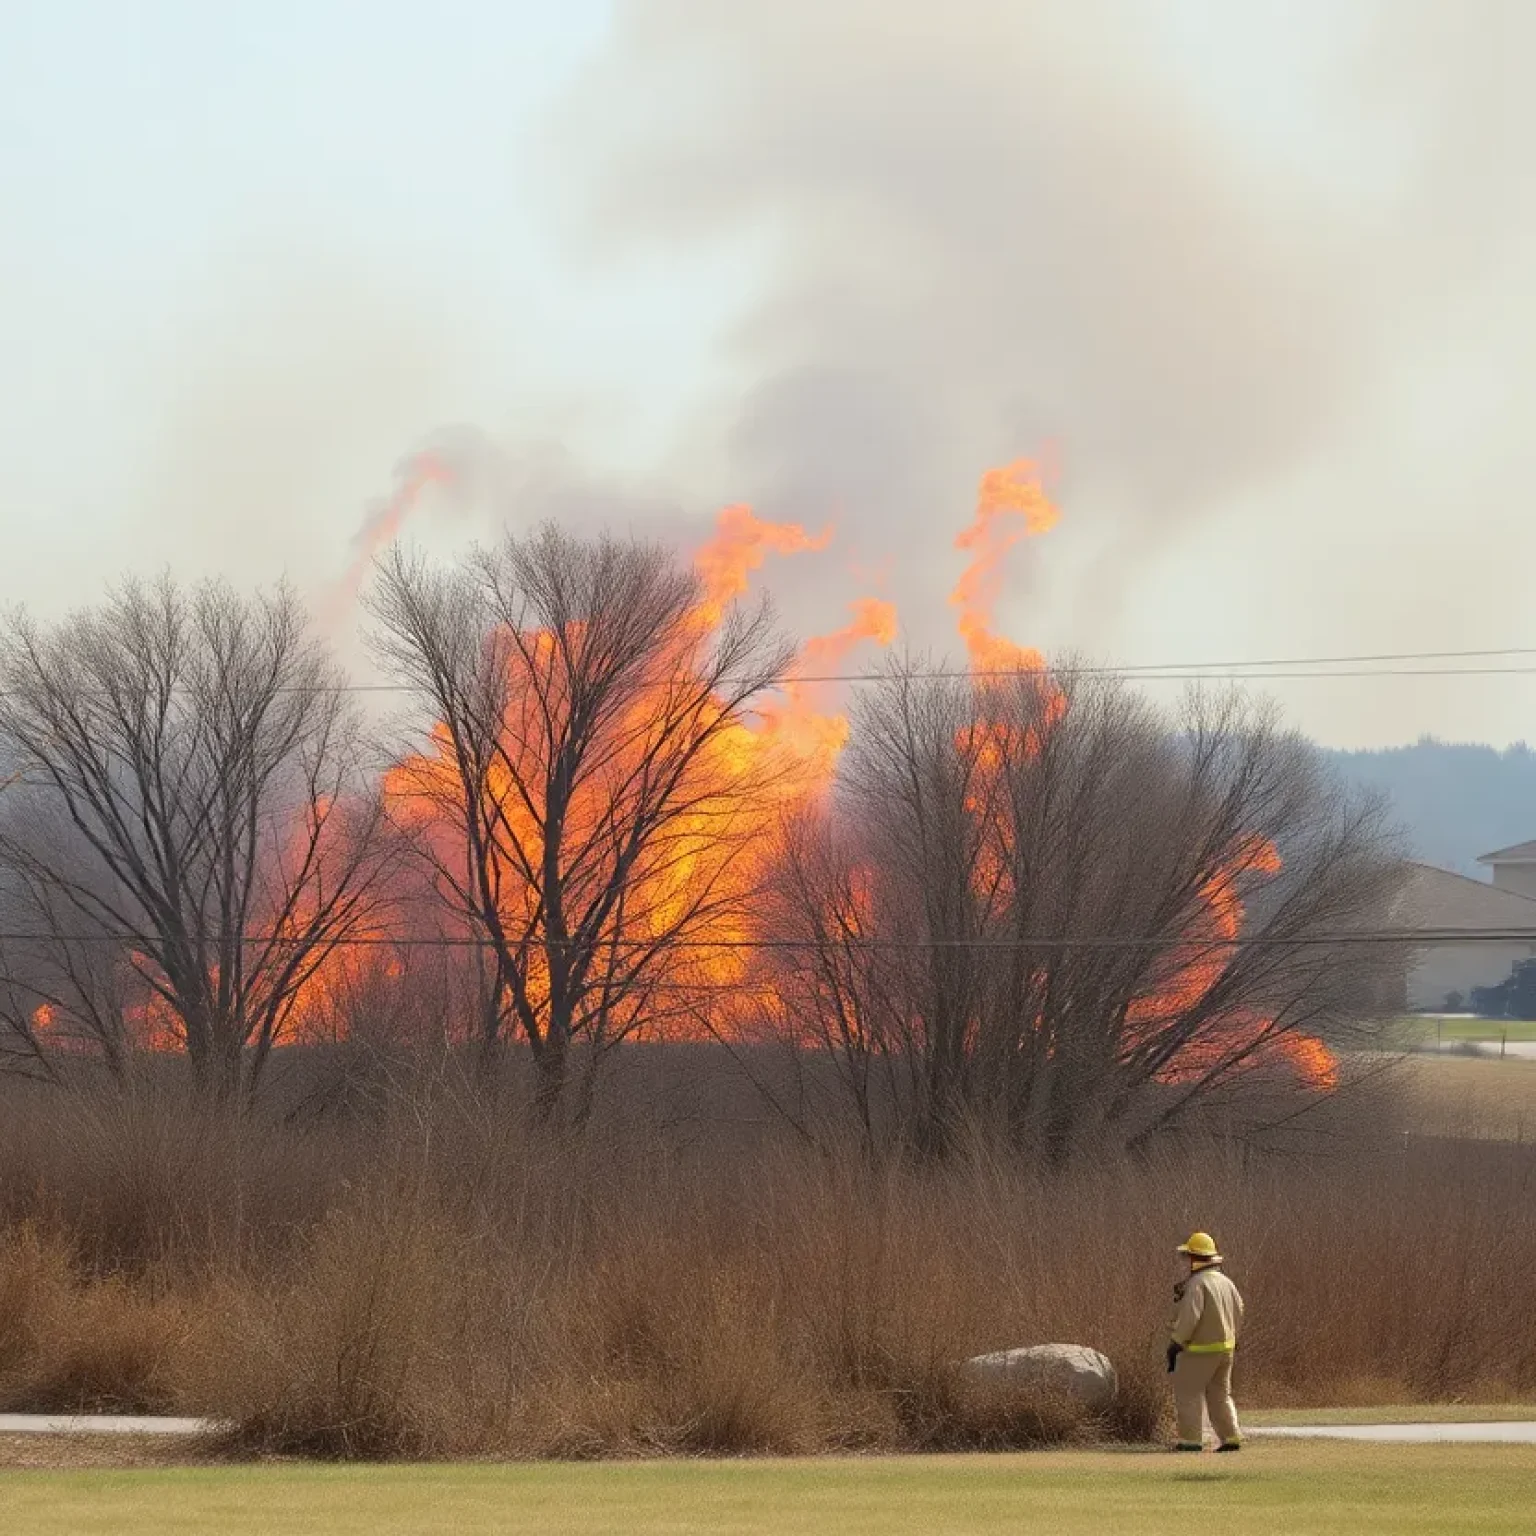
[{"x": 1203, "y": 1384}]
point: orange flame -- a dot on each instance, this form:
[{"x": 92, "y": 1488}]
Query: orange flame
[
  {"x": 55, "y": 1032},
  {"x": 1313, "y": 1061},
  {"x": 804, "y": 729},
  {"x": 1195, "y": 968},
  {"x": 816, "y": 736},
  {"x": 742, "y": 541},
  {"x": 152, "y": 1024},
  {"x": 718, "y": 847},
  {"x": 1011, "y": 505},
  {"x": 873, "y": 619}
]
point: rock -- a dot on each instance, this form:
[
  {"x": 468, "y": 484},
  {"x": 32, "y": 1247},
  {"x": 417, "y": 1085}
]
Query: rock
[{"x": 1072, "y": 1370}]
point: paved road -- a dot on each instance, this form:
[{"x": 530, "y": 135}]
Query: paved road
[
  {"x": 1516, "y": 1050},
  {"x": 1508, "y": 1433},
  {"x": 98, "y": 1424},
  {"x": 1521, "y": 1433}
]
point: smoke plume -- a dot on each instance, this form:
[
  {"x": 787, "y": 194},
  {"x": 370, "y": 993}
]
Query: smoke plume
[{"x": 985, "y": 225}]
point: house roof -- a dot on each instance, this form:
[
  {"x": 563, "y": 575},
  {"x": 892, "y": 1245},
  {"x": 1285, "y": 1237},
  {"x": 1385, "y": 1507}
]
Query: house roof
[
  {"x": 1521, "y": 853},
  {"x": 1438, "y": 899}
]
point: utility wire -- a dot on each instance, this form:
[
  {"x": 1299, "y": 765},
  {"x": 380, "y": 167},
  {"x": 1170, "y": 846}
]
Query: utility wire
[
  {"x": 1417, "y": 938},
  {"x": 1296, "y": 668},
  {"x": 1275, "y": 669},
  {"x": 1140, "y": 674}
]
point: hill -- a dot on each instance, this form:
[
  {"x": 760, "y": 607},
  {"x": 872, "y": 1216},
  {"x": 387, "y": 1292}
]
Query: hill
[{"x": 1456, "y": 799}]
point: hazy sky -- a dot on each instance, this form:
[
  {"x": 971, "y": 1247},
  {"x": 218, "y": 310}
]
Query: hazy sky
[{"x": 1257, "y": 271}]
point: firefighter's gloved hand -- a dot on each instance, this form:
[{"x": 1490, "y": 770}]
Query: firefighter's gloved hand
[{"x": 1173, "y": 1355}]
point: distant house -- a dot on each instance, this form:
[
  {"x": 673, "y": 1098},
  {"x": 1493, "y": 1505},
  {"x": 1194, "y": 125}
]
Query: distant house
[
  {"x": 1436, "y": 900},
  {"x": 1514, "y": 869}
]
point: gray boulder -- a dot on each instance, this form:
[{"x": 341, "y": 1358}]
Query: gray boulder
[{"x": 1068, "y": 1370}]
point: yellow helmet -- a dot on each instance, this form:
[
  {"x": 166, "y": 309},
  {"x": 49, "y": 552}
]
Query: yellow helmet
[{"x": 1201, "y": 1245}]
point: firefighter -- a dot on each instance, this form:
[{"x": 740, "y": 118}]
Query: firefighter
[{"x": 1207, "y": 1316}]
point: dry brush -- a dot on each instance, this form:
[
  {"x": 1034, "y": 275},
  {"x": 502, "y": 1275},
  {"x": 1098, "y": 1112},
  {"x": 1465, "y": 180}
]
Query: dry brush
[{"x": 429, "y": 1285}]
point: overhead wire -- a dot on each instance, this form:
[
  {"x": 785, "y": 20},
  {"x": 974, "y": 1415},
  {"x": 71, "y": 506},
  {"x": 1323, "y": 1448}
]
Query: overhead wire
[
  {"x": 1262, "y": 669},
  {"x": 1274, "y": 669},
  {"x": 1361, "y": 665},
  {"x": 1417, "y": 938}
]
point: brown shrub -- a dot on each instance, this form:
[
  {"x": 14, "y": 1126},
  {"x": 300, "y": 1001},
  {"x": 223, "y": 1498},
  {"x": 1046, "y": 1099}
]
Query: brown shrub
[
  {"x": 358, "y": 1352},
  {"x": 445, "y": 1287},
  {"x": 69, "y": 1345},
  {"x": 34, "y": 1273},
  {"x": 134, "y": 1181}
]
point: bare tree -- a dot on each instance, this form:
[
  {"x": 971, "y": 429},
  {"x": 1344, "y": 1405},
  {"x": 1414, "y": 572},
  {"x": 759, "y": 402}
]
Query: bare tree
[
  {"x": 65, "y": 989},
  {"x": 192, "y": 835},
  {"x": 1090, "y": 917},
  {"x": 591, "y": 799},
  {"x": 840, "y": 992}
]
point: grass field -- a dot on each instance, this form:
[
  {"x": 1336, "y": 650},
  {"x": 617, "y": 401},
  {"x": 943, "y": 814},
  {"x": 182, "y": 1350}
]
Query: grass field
[
  {"x": 1488, "y": 1029},
  {"x": 1419, "y": 1029},
  {"x": 1454, "y": 1096},
  {"x": 1295, "y": 1489}
]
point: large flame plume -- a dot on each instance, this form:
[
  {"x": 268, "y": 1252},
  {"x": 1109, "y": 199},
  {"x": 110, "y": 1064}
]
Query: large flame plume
[
  {"x": 805, "y": 727},
  {"x": 785, "y": 750},
  {"x": 1011, "y": 505}
]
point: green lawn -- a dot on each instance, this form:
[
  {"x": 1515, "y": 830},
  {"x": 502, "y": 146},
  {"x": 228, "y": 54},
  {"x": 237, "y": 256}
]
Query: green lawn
[
  {"x": 1423, "y": 1030},
  {"x": 1295, "y": 1489}
]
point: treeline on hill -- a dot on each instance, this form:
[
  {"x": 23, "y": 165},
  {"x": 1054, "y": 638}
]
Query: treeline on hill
[
  {"x": 1456, "y": 800},
  {"x": 604, "y": 1055}
]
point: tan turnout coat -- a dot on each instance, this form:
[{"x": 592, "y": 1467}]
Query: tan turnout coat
[{"x": 1209, "y": 1313}]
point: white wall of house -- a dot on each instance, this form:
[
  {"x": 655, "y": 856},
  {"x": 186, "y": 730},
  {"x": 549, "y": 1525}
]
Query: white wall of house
[
  {"x": 1519, "y": 878},
  {"x": 1458, "y": 968}
]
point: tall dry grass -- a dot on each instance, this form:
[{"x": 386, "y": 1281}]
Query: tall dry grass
[{"x": 422, "y": 1281}]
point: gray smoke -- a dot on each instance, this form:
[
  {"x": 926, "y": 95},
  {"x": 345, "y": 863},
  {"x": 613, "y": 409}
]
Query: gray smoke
[{"x": 993, "y": 224}]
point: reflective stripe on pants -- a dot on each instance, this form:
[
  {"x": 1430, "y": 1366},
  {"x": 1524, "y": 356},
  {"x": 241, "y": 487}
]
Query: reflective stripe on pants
[{"x": 1203, "y": 1384}]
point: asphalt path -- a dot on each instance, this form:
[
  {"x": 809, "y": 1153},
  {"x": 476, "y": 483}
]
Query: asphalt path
[
  {"x": 1514, "y": 1433},
  {"x": 1484, "y": 1050},
  {"x": 1511, "y": 1433},
  {"x": 99, "y": 1424}
]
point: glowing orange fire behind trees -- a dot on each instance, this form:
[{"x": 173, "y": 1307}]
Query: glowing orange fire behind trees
[
  {"x": 609, "y": 763},
  {"x": 175, "y": 854},
  {"x": 1012, "y": 505},
  {"x": 614, "y": 747}
]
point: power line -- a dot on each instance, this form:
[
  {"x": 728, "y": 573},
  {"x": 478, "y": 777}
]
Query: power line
[
  {"x": 1417, "y": 938},
  {"x": 1272, "y": 669},
  {"x": 1367, "y": 664},
  {"x": 1139, "y": 674},
  {"x": 1147, "y": 674},
  {"x": 1321, "y": 661}
]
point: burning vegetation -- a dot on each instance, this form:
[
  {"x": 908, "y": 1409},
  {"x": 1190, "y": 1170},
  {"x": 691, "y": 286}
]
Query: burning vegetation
[{"x": 1013, "y": 894}]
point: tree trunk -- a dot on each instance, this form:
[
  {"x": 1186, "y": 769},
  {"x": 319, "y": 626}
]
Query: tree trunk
[{"x": 549, "y": 1077}]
